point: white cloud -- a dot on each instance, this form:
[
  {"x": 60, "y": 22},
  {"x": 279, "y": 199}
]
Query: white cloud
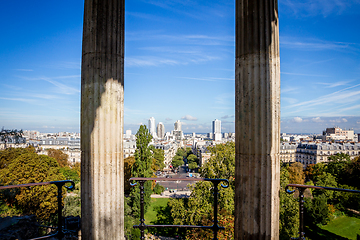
[
  {"x": 317, "y": 119},
  {"x": 297, "y": 119},
  {"x": 189, "y": 118},
  {"x": 227, "y": 116}
]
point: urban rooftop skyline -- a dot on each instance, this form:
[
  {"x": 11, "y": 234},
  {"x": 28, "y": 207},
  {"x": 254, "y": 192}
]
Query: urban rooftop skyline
[{"x": 179, "y": 64}]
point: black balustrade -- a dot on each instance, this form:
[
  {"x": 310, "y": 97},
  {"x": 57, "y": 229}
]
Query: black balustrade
[
  {"x": 59, "y": 184},
  {"x": 301, "y": 189},
  {"x": 142, "y": 226}
]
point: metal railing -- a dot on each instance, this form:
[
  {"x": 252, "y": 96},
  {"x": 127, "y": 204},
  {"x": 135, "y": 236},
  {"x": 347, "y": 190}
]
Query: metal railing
[
  {"x": 301, "y": 189},
  {"x": 59, "y": 184},
  {"x": 142, "y": 226}
]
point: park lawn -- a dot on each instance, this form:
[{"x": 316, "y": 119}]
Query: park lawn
[
  {"x": 344, "y": 226},
  {"x": 151, "y": 213}
]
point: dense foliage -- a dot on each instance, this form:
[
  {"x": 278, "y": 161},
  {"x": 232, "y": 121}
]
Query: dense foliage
[{"x": 29, "y": 167}]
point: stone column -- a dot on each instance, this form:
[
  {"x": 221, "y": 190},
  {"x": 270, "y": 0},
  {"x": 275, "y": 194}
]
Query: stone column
[
  {"x": 257, "y": 119},
  {"x": 102, "y": 107}
]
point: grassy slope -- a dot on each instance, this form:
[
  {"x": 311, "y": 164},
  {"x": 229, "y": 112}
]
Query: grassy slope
[
  {"x": 151, "y": 213},
  {"x": 344, "y": 226}
]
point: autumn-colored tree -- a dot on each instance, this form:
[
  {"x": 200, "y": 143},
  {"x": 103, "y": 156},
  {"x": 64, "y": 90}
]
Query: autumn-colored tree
[
  {"x": 128, "y": 163},
  {"x": 10, "y": 154},
  {"x": 313, "y": 170},
  {"x": 296, "y": 173},
  {"x": 61, "y": 157},
  {"x": 32, "y": 168}
]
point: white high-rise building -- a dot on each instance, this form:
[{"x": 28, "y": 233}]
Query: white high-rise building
[
  {"x": 216, "y": 129},
  {"x": 160, "y": 130},
  {"x": 151, "y": 126},
  {"x": 177, "y": 125},
  {"x": 128, "y": 134}
]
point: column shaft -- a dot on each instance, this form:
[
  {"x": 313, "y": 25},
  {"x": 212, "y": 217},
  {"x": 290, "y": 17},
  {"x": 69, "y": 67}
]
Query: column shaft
[
  {"x": 102, "y": 106},
  {"x": 257, "y": 119}
]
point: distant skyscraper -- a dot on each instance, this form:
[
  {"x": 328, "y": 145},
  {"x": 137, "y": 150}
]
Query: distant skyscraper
[
  {"x": 160, "y": 130},
  {"x": 216, "y": 128},
  {"x": 177, "y": 125},
  {"x": 128, "y": 134},
  {"x": 151, "y": 126}
]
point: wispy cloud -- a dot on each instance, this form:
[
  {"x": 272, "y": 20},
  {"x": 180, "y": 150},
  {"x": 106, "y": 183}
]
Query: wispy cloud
[
  {"x": 208, "y": 79},
  {"x": 308, "y": 8},
  {"x": 334, "y": 103},
  {"x": 227, "y": 116},
  {"x": 289, "y": 100},
  {"x": 189, "y": 118},
  {"x": 60, "y": 87},
  {"x": 24, "y": 70},
  {"x": 310, "y": 44},
  {"x": 334, "y": 84},
  {"x": 27, "y": 100},
  {"x": 149, "y": 61},
  {"x": 304, "y": 74},
  {"x": 183, "y": 39}
]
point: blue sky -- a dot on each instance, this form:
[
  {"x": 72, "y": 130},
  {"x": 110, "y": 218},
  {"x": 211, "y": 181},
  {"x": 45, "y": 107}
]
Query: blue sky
[{"x": 179, "y": 64}]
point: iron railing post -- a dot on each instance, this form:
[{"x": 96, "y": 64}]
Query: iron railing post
[
  {"x": 301, "y": 213},
  {"x": 142, "y": 225},
  {"x": 215, "y": 226},
  {"x": 301, "y": 189}
]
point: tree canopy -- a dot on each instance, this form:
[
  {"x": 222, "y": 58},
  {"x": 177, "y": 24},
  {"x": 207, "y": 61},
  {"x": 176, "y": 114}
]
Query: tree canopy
[
  {"x": 61, "y": 157},
  {"x": 31, "y": 168}
]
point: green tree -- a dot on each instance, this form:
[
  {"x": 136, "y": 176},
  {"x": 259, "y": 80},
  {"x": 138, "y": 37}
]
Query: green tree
[
  {"x": 193, "y": 165},
  {"x": 177, "y": 161},
  {"x": 222, "y": 162},
  {"x": 317, "y": 210},
  {"x": 72, "y": 203},
  {"x": 337, "y": 165},
  {"x": 187, "y": 152},
  {"x": 192, "y": 158},
  {"x": 159, "y": 157},
  {"x": 32, "y": 168},
  {"x": 181, "y": 152},
  {"x": 352, "y": 171},
  {"x": 70, "y": 174},
  {"x": 198, "y": 209},
  {"x": 325, "y": 180},
  {"x": 289, "y": 208},
  {"x": 142, "y": 168}
]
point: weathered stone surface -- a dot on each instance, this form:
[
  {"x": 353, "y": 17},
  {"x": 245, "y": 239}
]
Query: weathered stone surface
[
  {"x": 102, "y": 103},
  {"x": 257, "y": 116}
]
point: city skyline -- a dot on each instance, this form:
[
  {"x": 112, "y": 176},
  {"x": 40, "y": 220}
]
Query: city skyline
[{"x": 179, "y": 64}]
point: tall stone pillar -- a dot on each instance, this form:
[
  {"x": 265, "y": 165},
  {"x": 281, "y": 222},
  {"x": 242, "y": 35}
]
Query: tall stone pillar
[
  {"x": 257, "y": 119},
  {"x": 102, "y": 107}
]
